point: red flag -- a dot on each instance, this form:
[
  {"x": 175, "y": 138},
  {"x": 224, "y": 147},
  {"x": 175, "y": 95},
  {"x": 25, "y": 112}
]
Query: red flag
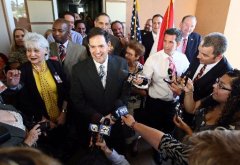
[{"x": 166, "y": 23}]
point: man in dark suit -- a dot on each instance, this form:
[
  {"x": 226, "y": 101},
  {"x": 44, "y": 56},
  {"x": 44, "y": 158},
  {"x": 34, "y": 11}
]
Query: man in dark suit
[
  {"x": 149, "y": 38},
  {"x": 190, "y": 40},
  {"x": 99, "y": 86},
  {"x": 103, "y": 21},
  {"x": 209, "y": 65},
  {"x": 211, "y": 54},
  {"x": 147, "y": 27}
]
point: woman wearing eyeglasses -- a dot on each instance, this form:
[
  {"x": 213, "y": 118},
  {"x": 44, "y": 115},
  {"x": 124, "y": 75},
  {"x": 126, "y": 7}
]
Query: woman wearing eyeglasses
[{"x": 221, "y": 108}]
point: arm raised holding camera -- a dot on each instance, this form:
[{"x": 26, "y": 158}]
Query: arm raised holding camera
[
  {"x": 190, "y": 104},
  {"x": 32, "y": 135}
]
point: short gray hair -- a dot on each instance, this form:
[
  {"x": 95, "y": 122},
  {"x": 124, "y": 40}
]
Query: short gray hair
[
  {"x": 35, "y": 40},
  {"x": 217, "y": 40}
]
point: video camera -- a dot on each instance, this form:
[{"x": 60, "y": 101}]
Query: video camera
[
  {"x": 131, "y": 76},
  {"x": 143, "y": 85}
]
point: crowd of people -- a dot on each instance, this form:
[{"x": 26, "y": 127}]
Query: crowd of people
[{"x": 74, "y": 94}]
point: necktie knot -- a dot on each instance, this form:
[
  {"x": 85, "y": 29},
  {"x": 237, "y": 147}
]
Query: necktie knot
[
  {"x": 101, "y": 72},
  {"x": 62, "y": 53},
  {"x": 61, "y": 48},
  {"x": 200, "y": 73}
]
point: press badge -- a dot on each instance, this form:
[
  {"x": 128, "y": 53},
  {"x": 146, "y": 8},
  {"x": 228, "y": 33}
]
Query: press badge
[
  {"x": 57, "y": 78},
  {"x": 3, "y": 87}
]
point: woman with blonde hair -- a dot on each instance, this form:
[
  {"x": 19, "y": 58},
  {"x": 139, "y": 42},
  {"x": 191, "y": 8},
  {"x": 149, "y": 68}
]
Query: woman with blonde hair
[
  {"x": 44, "y": 96},
  {"x": 17, "y": 54}
]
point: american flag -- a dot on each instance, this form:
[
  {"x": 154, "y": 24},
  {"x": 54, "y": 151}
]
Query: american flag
[{"x": 135, "y": 28}]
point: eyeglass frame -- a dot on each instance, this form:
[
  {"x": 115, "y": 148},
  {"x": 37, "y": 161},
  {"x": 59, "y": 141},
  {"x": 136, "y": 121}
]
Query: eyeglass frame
[{"x": 220, "y": 86}]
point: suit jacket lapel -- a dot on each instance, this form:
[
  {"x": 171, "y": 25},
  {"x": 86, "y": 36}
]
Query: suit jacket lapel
[
  {"x": 93, "y": 74},
  {"x": 110, "y": 72},
  {"x": 193, "y": 68},
  {"x": 32, "y": 83},
  {"x": 214, "y": 70}
]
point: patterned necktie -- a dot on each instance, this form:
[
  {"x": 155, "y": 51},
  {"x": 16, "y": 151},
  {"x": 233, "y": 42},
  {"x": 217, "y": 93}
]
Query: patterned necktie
[
  {"x": 184, "y": 46},
  {"x": 200, "y": 73},
  {"x": 101, "y": 72},
  {"x": 172, "y": 68},
  {"x": 62, "y": 53}
]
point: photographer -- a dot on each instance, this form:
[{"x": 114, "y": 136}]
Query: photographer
[{"x": 13, "y": 131}]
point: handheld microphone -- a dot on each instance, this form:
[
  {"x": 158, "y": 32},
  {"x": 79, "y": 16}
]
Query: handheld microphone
[
  {"x": 121, "y": 110},
  {"x": 105, "y": 128},
  {"x": 94, "y": 128}
]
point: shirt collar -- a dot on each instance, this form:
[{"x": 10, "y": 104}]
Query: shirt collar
[
  {"x": 65, "y": 44},
  {"x": 104, "y": 64},
  {"x": 209, "y": 66},
  {"x": 154, "y": 35}
]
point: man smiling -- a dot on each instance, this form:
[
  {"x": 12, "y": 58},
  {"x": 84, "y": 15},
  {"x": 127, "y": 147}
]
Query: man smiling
[{"x": 99, "y": 87}]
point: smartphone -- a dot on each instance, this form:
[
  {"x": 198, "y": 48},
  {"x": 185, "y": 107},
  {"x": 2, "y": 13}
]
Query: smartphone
[
  {"x": 185, "y": 80},
  {"x": 178, "y": 109},
  {"x": 186, "y": 77},
  {"x": 168, "y": 81}
]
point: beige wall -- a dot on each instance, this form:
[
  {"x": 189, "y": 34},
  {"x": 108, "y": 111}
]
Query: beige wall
[
  {"x": 232, "y": 32},
  {"x": 5, "y": 35},
  {"x": 211, "y": 15},
  {"x": 148, "y": 8},
  {"x": 221, "y": 18}
]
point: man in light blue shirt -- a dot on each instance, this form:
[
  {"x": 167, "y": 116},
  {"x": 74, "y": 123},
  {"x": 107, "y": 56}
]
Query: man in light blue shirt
[{"x": 75, "y": 37}]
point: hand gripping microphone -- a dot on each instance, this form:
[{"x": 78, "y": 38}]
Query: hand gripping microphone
[{"x": 94, "y": 128}]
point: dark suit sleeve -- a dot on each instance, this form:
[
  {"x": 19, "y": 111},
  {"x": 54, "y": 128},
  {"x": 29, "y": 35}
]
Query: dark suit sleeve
[
  {"x": 30, "y": 106},
  {"x": 63, "y": 88},
  {"x": 118, "y": 47},
  {"x": 126, "y": 86},
  {"x": 192, "y": 46}
]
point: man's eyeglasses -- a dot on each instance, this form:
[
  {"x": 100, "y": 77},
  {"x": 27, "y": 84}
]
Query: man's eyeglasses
[{"x": 220, "y": 85}]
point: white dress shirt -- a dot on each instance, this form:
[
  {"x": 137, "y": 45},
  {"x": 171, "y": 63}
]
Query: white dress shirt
[
  {"x": 208, "y": 68},
  {"x": 65, "y": 46},
  {"x": 180, "y": 47},
  {"x": 105, "y": 64},
  {"x": 156, "y": 69},
  {"x": 154, "y": 36}
]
